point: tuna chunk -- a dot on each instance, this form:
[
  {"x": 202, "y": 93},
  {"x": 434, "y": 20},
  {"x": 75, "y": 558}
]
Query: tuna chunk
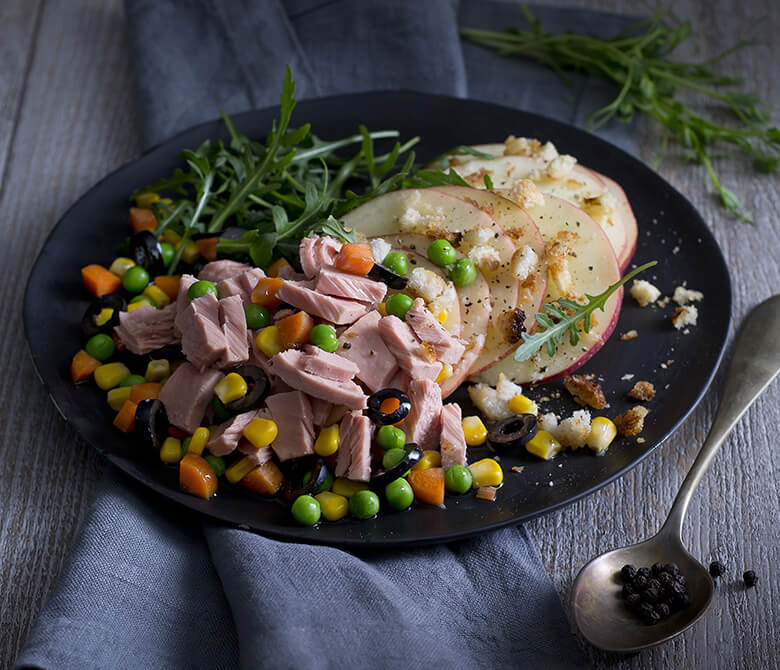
[
  {"x": 321, "y": 363},
  {"x": 336, "y": 310},
  {"x": 316, "y": 252},
  {"x": 258, "y": 455},
  {"x": 187, "y": 394},
  {"x": 343, "y": 285},
  {"x": 362, "y": 344},
  {"x": 232, "y": 319},
  {"x": 320, "y": 411},
  {"x": 401, "y": 381},
  {"x": 288, "y": 366},
  {"x": 354, "y": 459},
  {"x": 241, "y": 285},
  {"x": 145, "y": 329},
  {"x": 183, "y": 300},
  {"x": 227, "y": 436},
  {"x": 216, "y": 271},
  {"x": 429, "y": 331},
  {"x": 293, "y": 416},
  {"x": 423, "y": 424},
  {"x": 453, "y": 442},
  {"x": 202, "y": 338},
  {"x": 412, "y": 357},
  {"x": 288, "y": 272}
]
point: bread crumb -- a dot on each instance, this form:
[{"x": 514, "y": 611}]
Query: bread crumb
[
  {"x": 627, "y": 377},
  {"x": 640, "y": 440},
  {"x": 630, "y": 335},
  {"x": 682, "y": 295},
  {"x": 486, "y": 493},
  {"x": 663, "y": 302},
  {"x": 631, "y": 422},
  {"x": 585, "y": 391},
  {"x": 644, "y": 292},
  {"x": 518, "y": 468},
  {"x": 643, "y": 391},
  {"x": 685, "y": 315}
]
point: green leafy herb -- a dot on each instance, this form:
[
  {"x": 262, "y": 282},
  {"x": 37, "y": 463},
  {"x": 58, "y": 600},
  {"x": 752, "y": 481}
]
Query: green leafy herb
[
  {"x": 638, "y": 61},
  {"x": 557, "y": 319}
]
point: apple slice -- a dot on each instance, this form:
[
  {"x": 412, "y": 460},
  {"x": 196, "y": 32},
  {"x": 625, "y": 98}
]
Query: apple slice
[{"x": 589, "y": 268}]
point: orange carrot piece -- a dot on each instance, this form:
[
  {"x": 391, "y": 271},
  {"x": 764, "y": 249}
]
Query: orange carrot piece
[
  {"x": 168, "y": 284},
  {"x": 125, "y": 418},
  {"x": 82, "y": 366},
  {"x": 295, "y": 329},
  {"x": 355, "y": 258},
  {"x": 208, "y": 247},
  {"x": 142, "y": 219},
  {"x": 265, "y": 479},
  {"x": 265, "y": 292},
  {"x": 428, "y": 485},
  {"x": 276, "y": 266},
  {"x": 196, "y": 476},
  {"x": 99, "y": 281},
  {"x": 140, "y": 392}
]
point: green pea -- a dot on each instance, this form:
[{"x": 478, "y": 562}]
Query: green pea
[
  {"x": 390, "y": 437},
  {"x": 441, "y": 253},
  {"x": 306, "y": 510},
  {"x": 324, "y": 337},
  {"x": 327, "y": 485},
  {"x": 185, "y": 446},
  {"x": 164, "y": 379},
  {"x": 220, "y": 411},
  {"x": 398, "y": 305},
  {"x": 463, "y": 272},
  {"x": 217, "y": 464},
  {"x": 136, "y": 279},
  {"x": 101, "y": 346},
  {"x": 132, "y": 380},
  {"x": 458, "y": 479},
  {"x": 201, "y": 288},
  {"x": 392, "y": 458},
  {"x": 364, "y": 504},
  {"x": 257, "y": 317},
  {"x": 397, "y": 262},
  {"x": 399, "y": 494},
  {"x": 168, "y": 252},
  {"x": 143, "y": 298}
]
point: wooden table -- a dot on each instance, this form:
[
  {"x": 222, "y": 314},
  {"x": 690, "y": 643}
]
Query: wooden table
[{"x": 67, "y": 118}]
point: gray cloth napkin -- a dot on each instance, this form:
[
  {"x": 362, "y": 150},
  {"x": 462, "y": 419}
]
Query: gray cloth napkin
[{"x": 149, "y": 585}]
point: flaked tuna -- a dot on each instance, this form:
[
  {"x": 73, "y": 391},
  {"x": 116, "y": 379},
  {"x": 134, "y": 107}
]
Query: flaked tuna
[
  {"x": 336, "y": 310},
  {"x": 362, "y": 344},
  {"x": 317, "y": 252},
  {"x": 412, "y": 356},
  {"x": 318, "y": 362},
  {"x": 258, "y": 455},
  {"x": 146, "y": 329},
  {"x": 344, "y": 285},
  {"x": 423, "y": 424},
  {"x": 217, "y": 271},
  {"x": 227, "y": 436},
  {"x": 183, "y": 299},
  {"x": 241, "y": 285},
  {"x": 320, "y": 411},
  {"x": 232, "y": 320},
  {"x": 354, "y": 459},
  {"x": 293, "y": 417},
  {"x": 429, "y": 331},
  {"x": 202, "y": 338},
  {"x": 453, "y": 442},
  {"x": 187, "y": 394},
  {"x": 400, "y": 381}
]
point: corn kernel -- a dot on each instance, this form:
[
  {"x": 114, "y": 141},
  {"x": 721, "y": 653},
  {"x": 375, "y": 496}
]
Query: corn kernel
[
  {"x": 332, "y": 505},
  {"x": 260, "y": 432},
  {"x": 276, "y": 266},
  {"x": 199, "y": 439},
  {"x": 171, "y": 237},
  {"x": 146, "y": 200},
  {"x": 170, "y": 452},
  {"x": 116, "y": 397},
  {"x": 430, "y": 459},
  {"x": 120, "y": 266},
  {"x": 159, "y": 296},
  {"x": 602, "y": 432},
  {"x": 382, "y": 308},
  {"x": 486, "y": 472},
  {"x": 327, "y": 441},
  {"x": 191, "y": 252},
  {"x": 104, "y": 316},
  {"x": 110, "y": 375},
  {"x": 240, "y": 469},
  {"x": 138, "y": 305},
  {"x": 442, "y": 316},
  {"x": 232, "y": 387},
  {"x": 269, "y": 341},
  {"x": 157, "y": 370},
  {"x": 444, "y": 373},
  {"x": 520, "y": 404},
  {"x": 347, "y": 487},
  {"x": 474, "y": 431},
  {"x": 543, "y": 445}
]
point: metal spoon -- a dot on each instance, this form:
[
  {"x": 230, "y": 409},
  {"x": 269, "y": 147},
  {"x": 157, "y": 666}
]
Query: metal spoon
[{"x": 599, "y": 611}]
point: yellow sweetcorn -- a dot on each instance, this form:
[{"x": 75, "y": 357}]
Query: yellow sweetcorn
[
  {"x": 157, "y": 370},
  {"x": 110, "y": 375},
  {"x": 444, "y": 373},
  {"x": 332, "y": 505},
  {"x": 138, "y": 305},
  {"x": 543, "y": 445},
  {"x": 240, "y": 469},
  {"x": 260, "y": 432},
  {"x": 327, "y": 441},
  {"x": 171, "y": 237},
  {"x": 382, "y": 308},
  {"x": 232, "y": 387},
  {"x": 116, "y": 397},
  {"x": 121, "y": 265},
  {"x": 486, "y": 472},
  {"x": 602, "y": 432},
  {"x": 442, "y": 316},
  {"x": 146, "y": 200},
  {"x": 269, "y": 341},
  {"x": 191, "y": 252},
  {"x": 348, "y": 488},
  {"x": 521, "y": 404},
  {"x": 104, "y": 316},
  {"x": 170, "y": 452},
  {"x": 159, "y": 296},
  {"x": 199, "y": 440},
  {"x": 474, "y": 431},
  {"x": 430, "y": 459}
]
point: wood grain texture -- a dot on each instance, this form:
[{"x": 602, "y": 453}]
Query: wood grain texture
[{"x": 67, "y": 119}]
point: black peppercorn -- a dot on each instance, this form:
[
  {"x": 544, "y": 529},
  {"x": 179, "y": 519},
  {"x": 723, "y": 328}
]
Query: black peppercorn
[
  {"x": 651, "y": 595},
  {"x": 749, "y": 577},
  {"x": 633, "y": 601},
  {"x": 681, "y": 580},
  {"x": 657, "y": 569},
  {"x": 717, "y": 568},
  {"x": 683, "y": 600},
  {"x": 663, "y": 610},
  {"x": 672, "y": 569},
  {"x": 628, "y": 572},
  {"x": 644, "y": 572},
  {"x": 648, "y": 613},
  {"x": 653, "y": 584},
  {"x": 640, "y": 582},
  {"x": 628, "y": 589},
  {"x": 665, "y": 578}
]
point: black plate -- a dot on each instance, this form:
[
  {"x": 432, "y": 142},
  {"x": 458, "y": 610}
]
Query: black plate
[{"x": 670, "y": 230}]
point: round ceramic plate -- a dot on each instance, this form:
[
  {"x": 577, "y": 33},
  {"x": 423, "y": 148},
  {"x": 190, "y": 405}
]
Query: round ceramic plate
[{"x": 680, "y": 365}]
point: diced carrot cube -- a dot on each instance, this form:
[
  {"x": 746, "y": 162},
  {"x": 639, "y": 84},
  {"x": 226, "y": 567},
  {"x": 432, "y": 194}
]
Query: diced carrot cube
[
  {"x": 428, "y": 485},
  {"x": 265, "y": 479},
  {"x": 168, "y": 284},
  {"x": 196, "y": 476},
  {"x": 141, "y": 392},
  {"x": 125, "y": 418},
  {"x": 295, "y": 329},
  {"x": 82, "y": 366},
  {"x": 142, "y": 219},
  {"x": 265, "y": 292},
  {"x": 99, "y": 281},
  {"x": 355, "y": 258},
  {"x": 208, "y": 247}
]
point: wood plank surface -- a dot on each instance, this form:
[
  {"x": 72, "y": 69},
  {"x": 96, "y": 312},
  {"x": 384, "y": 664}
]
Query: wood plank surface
[{"x": 67, "y": 119}]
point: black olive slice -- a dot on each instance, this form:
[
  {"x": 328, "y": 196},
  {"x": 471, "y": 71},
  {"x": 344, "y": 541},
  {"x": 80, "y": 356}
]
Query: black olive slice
[
  {"x": 514, "y": 431},
  {"x": 145, "y": 251},
  {"x": 382, "y": 478},
  {"x": 151, "y": 423},
  {"x": 258, "y": 386},
  {"x": 294, "y": 484},
  {"x": 387, "y": 276},
  {"x": 112, "y": 301},
  {"x": 375, "y": 401}
]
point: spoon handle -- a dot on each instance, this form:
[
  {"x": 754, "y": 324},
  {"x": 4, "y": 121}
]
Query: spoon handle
[{"x": 755, "y": 363}]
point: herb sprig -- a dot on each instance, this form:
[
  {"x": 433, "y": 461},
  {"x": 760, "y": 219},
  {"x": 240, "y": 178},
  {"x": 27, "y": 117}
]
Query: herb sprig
[
  {"x": 565, "y": 317},
  {"x": 638, "y": 61}
]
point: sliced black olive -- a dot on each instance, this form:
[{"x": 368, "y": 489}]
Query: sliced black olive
[
  {"x": 375, "y": 401},
  {"x": 111, "y": 301},
  {"x": 295, "y": 482},
  {"x": 382, "y": 478},
  {"x": 514, "y": 431},
  {"x": 387, "y": 276},
  {"x": 145, "y": 251},
  {"x": 151, "y": 423},
  {"x": 258, "y": 385}
]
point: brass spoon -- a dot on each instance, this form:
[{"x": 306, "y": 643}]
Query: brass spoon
[{"x": 599, "y": 610}]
